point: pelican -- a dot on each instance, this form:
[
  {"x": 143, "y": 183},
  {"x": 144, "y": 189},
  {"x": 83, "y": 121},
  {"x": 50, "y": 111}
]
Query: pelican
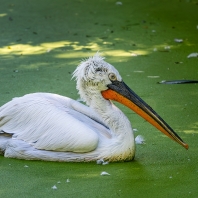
[{"x": 46, "y": 126}]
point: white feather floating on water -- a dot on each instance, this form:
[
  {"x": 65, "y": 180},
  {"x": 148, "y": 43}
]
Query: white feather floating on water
[
  {"x": 118, "y": 3},
  {"x": 104, "y": 173},
  {"x": 54, "y": 187},
  {"x": 192, "y": 55},
  {"x": 178, "y": 40},
  {"x": 139, "y": 139}
]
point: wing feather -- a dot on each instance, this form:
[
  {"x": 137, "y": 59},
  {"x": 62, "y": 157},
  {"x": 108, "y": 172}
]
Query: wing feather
[{"x": 50, "y": 122}]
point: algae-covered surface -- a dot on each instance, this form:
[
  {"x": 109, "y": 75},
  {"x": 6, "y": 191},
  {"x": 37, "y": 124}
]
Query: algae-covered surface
[{"x": 41, "y": 43}]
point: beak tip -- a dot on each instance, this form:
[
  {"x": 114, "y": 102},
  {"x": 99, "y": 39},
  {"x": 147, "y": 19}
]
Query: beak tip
[{"x": 186, "y": 146}]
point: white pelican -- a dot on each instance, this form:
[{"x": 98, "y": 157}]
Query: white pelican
[{"x": 45, "y": 126}]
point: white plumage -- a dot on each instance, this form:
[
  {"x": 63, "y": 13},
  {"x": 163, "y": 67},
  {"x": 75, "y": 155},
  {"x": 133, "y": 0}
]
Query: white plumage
[{"x": 47, "y": 126}]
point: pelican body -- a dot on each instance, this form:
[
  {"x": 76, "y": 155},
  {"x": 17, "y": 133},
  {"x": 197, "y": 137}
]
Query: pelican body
[{"x": 46, "y": 126}]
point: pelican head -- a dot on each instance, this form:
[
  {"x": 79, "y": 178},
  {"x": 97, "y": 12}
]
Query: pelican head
[{"x": 94, "y": 75}]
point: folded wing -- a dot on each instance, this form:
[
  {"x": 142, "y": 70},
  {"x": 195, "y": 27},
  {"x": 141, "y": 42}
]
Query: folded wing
[{"x": 52, "y": 122}]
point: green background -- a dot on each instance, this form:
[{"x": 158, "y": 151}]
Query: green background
[{"x": 42, "y": 42}]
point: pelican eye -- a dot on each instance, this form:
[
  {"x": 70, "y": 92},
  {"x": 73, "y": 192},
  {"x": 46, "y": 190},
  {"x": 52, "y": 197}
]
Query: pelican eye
[{"x": 112, "y": 77}]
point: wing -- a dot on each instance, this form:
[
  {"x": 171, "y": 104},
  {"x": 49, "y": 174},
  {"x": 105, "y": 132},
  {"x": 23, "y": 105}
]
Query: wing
[{"x": 53, "y": 122}]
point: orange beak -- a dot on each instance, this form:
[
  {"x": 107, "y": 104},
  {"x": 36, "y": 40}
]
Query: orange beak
[{"x": 120, "y": 92}]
